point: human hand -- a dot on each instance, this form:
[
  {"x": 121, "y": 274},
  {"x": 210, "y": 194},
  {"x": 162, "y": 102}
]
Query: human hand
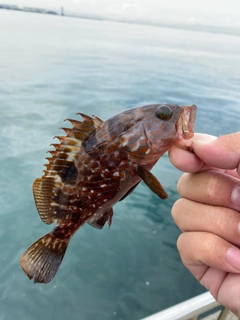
[{"x": 208, "y": 214}]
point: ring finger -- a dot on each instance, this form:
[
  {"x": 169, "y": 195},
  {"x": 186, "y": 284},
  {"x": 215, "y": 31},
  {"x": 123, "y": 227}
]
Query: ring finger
[{"x": 198, "y": 217}]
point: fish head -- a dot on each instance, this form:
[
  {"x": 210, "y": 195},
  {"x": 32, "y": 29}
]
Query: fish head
[
  {"x": 159, "y": 127},
  {"x": 170, "y": 123}
]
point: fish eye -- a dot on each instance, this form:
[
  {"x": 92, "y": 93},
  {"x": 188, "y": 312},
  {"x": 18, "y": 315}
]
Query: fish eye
[{"x": 164, "y": 112}]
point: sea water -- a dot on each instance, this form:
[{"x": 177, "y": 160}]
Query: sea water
[{"x": 52, "y": 67}]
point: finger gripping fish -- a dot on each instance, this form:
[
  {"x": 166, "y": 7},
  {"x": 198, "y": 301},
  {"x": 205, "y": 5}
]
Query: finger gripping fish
[{"x": 95, "y": 165}]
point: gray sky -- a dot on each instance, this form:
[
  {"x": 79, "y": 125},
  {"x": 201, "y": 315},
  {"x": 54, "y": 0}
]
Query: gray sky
[{"x": 203, "y": 11}]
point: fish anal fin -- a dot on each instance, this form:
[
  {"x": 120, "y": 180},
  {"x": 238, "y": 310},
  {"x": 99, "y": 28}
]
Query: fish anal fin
[
  {"x": 152, "y": 182},
  {"x": 42, "y": 259},
  {"x": 100, "y": 222}
]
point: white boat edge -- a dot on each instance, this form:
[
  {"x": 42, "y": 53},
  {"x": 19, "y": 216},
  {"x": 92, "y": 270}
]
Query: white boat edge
[{"x": 188, "y": 309}]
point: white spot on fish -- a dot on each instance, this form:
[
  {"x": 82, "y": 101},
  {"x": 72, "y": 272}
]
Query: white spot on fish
[
  {"x": 116, "y": 174},
  {"x": 124, "y": 142},
  {"x": 57, "y": 178},
  {"x": 71, "y": 157},
  {"x": 135, "y": 146},
  {"x": 103, "y": 185}
]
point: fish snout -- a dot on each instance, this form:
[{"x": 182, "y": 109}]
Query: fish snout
[{"x": 185, "y": 124}]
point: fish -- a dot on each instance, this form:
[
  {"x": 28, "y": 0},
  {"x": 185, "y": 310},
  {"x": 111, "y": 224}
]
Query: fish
[{"x": 95, "y": 165}]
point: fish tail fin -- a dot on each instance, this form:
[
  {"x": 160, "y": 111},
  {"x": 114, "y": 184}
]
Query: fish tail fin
[{"x": 42, "y": 259}]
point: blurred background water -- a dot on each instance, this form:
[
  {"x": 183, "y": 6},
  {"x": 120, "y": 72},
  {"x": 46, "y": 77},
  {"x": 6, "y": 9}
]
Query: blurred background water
[{"x": 52, "y": 67}]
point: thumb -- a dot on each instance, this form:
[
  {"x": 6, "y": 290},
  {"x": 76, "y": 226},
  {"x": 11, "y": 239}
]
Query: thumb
[{"x": 223, "y": 152}]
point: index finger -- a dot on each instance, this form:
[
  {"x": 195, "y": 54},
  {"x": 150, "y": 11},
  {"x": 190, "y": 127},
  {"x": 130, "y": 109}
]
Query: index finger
[
  {"x": 207, "y": 152},
  {"x": 184, "y": 158},
  {"x": 223, "y": 152}
]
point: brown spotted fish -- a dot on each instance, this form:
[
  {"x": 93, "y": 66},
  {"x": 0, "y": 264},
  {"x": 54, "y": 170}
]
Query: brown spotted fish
[{"x": 97, "y": 164}]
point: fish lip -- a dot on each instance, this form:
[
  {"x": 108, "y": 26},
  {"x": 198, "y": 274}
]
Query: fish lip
[{"x": 185, "y": 124}]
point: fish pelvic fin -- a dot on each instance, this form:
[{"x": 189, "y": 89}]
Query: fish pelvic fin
[
  {"x": 100, "y": 221},
  {"x": 42, "y": 259},
  {"x": 152, "y": 182}
]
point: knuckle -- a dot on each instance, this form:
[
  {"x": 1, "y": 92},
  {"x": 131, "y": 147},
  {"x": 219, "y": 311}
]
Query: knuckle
[
  {"x": 178, "y": 212},
  {"x": 183, "y": 182},
  {"x": 207, "y": 244},
  {"x": 180, "y": 242},
  {"x": 195, "y": 247},
  {"x": 212, "y": 186},
  {"x": 175, "y": 210}
]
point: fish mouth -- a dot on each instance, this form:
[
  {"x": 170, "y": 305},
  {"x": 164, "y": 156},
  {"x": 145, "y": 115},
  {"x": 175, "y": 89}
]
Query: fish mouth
[{"x": 185, "y": 124}]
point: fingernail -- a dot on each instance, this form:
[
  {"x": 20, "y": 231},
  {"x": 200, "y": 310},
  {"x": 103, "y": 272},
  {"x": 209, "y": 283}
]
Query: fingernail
[
  {"x": 233, "y": 257},
  {"x": 236, "y": 196}
]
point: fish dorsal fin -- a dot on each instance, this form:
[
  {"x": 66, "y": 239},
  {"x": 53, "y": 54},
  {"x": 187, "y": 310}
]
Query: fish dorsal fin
[
  {"x": 100, "y": 222},
  {"x": 61, "y": 167},
  {"x": 152, "y": 182}
]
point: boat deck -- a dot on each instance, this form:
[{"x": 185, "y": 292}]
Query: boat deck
[{"x": 216, "y": 316}]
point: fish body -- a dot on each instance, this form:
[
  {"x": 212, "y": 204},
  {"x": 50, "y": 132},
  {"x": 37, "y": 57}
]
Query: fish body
[{"x": 97, "y": 164}]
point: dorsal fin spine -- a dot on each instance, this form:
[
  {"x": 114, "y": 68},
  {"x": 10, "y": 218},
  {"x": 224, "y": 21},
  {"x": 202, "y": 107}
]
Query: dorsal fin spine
[
  {"x": 68, "y": 141},
  {"x": 75, "y": 123},
  {"x": 86, "y": 118},
  {"x": 97, "y": 121},
  {"x": 66, "y": 148}
]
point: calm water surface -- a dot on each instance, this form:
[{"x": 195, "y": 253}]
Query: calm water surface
[{"x": 52, "y": 67}]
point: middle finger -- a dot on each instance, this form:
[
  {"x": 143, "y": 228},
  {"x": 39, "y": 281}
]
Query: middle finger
[{"x": 210, "y": 187}]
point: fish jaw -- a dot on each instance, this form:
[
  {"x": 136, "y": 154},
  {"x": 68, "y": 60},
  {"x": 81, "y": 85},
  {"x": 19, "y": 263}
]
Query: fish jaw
[{"x": 185, "y": 124}]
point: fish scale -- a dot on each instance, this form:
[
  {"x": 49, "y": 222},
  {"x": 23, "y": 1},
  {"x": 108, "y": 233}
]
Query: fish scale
[{"x": 97, "y": 164}]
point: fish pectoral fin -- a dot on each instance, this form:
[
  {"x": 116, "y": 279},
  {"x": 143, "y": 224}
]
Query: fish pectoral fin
[
  {"x": 100, "y": 222},
  {"x": 152, "y": 182},
  {"x": 42, "y": 259}
]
